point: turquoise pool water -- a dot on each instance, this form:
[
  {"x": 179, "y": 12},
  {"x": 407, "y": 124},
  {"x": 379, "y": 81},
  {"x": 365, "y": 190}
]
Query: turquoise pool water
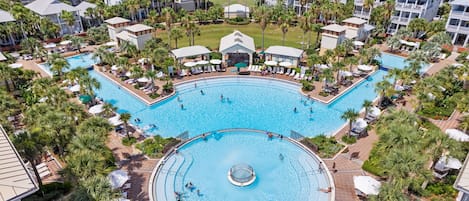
[
  {"x": 263, "y": 104},
  {"x": 82, "y": 60},
  {"x": 292, "y": 176},
  {"x": 394, "y": 61}
]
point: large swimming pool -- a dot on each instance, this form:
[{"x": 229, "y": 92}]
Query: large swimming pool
[
  {"x": 394, "y": 61},
  {"x": 283, "y": 170},
  {"x": 82, "y": 60},
  {"x": 257, "y": 103}
]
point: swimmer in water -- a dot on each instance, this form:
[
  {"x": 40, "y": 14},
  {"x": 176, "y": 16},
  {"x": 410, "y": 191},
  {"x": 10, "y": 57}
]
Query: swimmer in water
[
  {"x": 221, "y": 97},
  {"x": 195, "y": 85},
  {"x": 311, "y": 110},
  {"x": 202, "y": 92},
  {"x": 182, "y": 106},
  {"x": 295, "y": 110},
  {"x": 281, "y": 157}
]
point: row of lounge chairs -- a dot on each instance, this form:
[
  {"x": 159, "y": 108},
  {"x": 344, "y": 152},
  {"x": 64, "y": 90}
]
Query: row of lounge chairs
[
  {"x": 43, "y": 170},
  {"x": 199, "y": 70}
]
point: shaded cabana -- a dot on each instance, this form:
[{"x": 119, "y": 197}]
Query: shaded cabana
[
  {"x": 283, "y": 54},
  {"x": 191, "y": 51},
  {"x": 237, "y": 47}
]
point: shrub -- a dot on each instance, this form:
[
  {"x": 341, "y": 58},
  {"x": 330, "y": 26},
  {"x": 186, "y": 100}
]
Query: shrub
[
  {"x": 307, "y": 86},
  {"x": 239, "y": 21},
  {"x": 349, "y": 139},
  {"x": 52, "y": 191},
  {"x": 154, "y": 95},
  {"x": 323, "y": 93},
  {"x": 128, "y": 142},
  {"x": 327, "y": 146},
  {"x": 157, "y": 146},
  {"x": 168, "y": 87},
  {"x": 215, "y": 55}
]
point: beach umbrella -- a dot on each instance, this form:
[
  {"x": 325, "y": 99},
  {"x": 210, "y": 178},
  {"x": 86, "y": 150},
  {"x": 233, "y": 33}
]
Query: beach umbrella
[
  {"x": 75, "y": 88},
  {"x": 117, "y": 178},
  {"x": 358, "y": 43},
  {"x": 115, "y": 120},
  {"x": 85, "y": 98},
  {"x": 143, "y": 79},
  {"x": 202, "y": 62},
  {"x": 128, "y": 74},
  {"x": 112, "y": 43},
  {"x": 114, "y": 67},
  {"x": 96, "y": 109},
  {"x": 65, "y": 42},
  {"x": 323, "y": 66},
  {"x": 374, "y": 111},
  {"x": 364, "y": 67},
  {"x": 190, "y": 64},
  {"x": 360, "y": 123},
  {"x": 366, "y": 184},
  {"x": 270, "y": 63},
  {"x": 457, "y": 135},
  {"x": 15, "y": 65},
  {"x": 142, "y": 60},
  {"x": 50, "y": 45},
  {"x": 215, "y": 61},
  {"x": 285, "y": 64},
  {"x": 345, "y": 73}
]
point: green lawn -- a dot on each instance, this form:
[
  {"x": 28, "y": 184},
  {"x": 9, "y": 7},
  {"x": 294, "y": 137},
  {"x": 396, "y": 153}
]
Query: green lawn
[
  {"x": 250, "y": 3},
  {"x": 211, "y": 34}
]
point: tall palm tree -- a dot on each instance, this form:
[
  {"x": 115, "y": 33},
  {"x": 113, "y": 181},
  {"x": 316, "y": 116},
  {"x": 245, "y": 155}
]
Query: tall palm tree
[
  {"x": 350, "y": 115},
  {"x": 284, "y": 23},
  {"x": 262, "y": 15},
  {"x": 88, "y": 84},
  {"x": 58, "y": 66},
  {"x": 462, "y": 73},
  {"x": 76, "y": 42},
  {"x": 151, "y": 74},
  {"x": 367, "y": 104},
  {"x": 417, "y": 25},
  {"x": 100, "y": 53},
  {"x": 108, "y": 109},
  {"x": 125, "y": 117},
  {"x": 317, "y": 29},
  {"x": 95, "y": 188},
  {"x": 169, "y": 16},
  {"x": 176, "y": 34},
  {"x": 21, "y": 14},
  {"x": 306, "y": 27},
  {"x": 384, "y": 89},
  {"x": 69, "y": 19}
]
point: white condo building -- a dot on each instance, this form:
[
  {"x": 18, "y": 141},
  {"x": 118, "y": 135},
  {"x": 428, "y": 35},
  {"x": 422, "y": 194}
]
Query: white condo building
[
  {"x": 458, "y": 22},
  {"x": 362, "y": 12},
  {"x": 406, "y": 10}
]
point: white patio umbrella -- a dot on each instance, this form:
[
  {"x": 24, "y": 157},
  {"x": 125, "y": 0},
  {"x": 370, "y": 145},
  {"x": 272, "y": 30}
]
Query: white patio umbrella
[
  {"x": 75, "y": 88},
  {"x": 111, "y": 43},
  {"x": 358, "y": 43},
  {"x": 202, "y": 62},
  {"x": 323, "y": 66},
  {"x": 50, "y": 45},
  {"x": 215, "y": 61},
  {"x": 366, "y": 184},
  {"x": 117, "y": 178},
  {"x": 285, "y": 64},
  {"x": 142, "y": 60},
  {"x": 190, "y": 64},
  {"x": 128, "y": 74},
  {"x": 15, "y": 65},
  {"x": 96, "y": 109},
  {"x": 457, "y": 135},
  {"x": 143, "y": 79},
  {"x": 115, "y": 120},
  {"x": 65, "y": 42},
  {"x": 270, "y": 63},
  {"x": 114, "y": 67},
  {"x": 450, "y": 162},
  {"x": 360, "y": 123},
  {"x": 457, "y": 65},
  {"x": 345, "y": 73},
  {"x": 399, "y": 88},
  {"x": 364, "y": 67},
  {"x": 43, "y": 99},
  {"x": 374, "y": 111}
]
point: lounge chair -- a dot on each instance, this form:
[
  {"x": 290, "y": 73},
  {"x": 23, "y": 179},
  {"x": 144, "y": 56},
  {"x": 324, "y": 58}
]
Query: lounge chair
[
  {"x": 288, "y": 71},
  {"x": 281, "y": 70},
  {"x": 302, "y": 76},
  {"x": 297, "y": 76},
  {"x": 293, "y": 72},
  {"x": 199, "y": 69},
  {"x": 218, "y": 68},
  {"x": 213, "y": 69}
]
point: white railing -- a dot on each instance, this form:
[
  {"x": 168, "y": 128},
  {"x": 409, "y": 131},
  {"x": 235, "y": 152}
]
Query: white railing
[
  {"x": 464, "y": 29},
  {"x": 459, "y": 14},
  {"x": 452, "y": 28},
  {"x": 408, "y": 6}
]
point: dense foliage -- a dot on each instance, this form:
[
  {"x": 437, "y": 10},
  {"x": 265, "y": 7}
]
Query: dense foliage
[
  {"x": 327, "y": 146},
  {"x": 157, "y": 146}
]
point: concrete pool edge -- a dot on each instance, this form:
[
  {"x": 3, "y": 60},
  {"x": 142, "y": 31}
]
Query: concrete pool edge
[{"x": 157, "y": 168}]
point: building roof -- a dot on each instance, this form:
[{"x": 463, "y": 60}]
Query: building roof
[
  {"x": 138, "y": 27},
  {"x": 116, "y": 20},
  {"x": 284, "y": 51},
  {"x": 16, "y": 181},
  {"x": 49, "y": 7},
  {"x": 462, "y": 181},
  {"x": 83, "y": 6},
  {"x": 368, "y": 27},
  {"x": 190, "y": 51},
  {"x": 350, "y": 34},
  {"x": 2, "y": 57},
  {"x": 237, "y": 38},
  {"x": 354, "y": 20},
  {"x": 460, "y": 2},
  {"x": 234, "y": 8},
  {"x": 6, "y": 16},
  {"x": 124, "y": 35},
  {"x": 334, "y": 27}
]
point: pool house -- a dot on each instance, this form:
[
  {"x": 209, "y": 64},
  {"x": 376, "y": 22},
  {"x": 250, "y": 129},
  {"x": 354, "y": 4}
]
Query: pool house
[
  {"x": 190, "y": 52},
  {"x": 237, "y": 48},
  {"x": 284, "y": 54}
]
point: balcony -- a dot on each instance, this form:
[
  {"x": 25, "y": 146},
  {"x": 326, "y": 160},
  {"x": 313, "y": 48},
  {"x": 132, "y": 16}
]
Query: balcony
[
  {"x": 400, "y": 20},
  {"x": 459, "y": 15},
  {"x": 452, "y": 28},
  {"x": 358, "y": 2},
  {"x": 409, "y": 7}
]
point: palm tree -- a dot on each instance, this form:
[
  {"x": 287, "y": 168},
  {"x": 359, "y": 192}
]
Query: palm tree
[
  {"x": 168, "y": 14},
  {"x": 417, "y": 25},
  {"x": 176, "y": 34},
  {"x": 393, "y": 42},
  {"x": 69, "y": 19},
  {"x": 284, "y": 22},
  {"x": 317, "y": 29},
  {"x": 262, "y": 15},
  {"x": 464, "y": 124},
  {"x": 350, "y": 115},
  {"x": 29, "y": 45},
  {"x": 88, "y": 84},
  {"x": 384, "y": 89},
  {"x": 95, "y": 188},
  {"x": 462, "y": 73},
  {"x": 369, "y": 4},
  {"x": 100, "y": 53},
  {"x": 306, "y": 27},
  {"x": 125, "y": 117},
  {"x": 151, "y": 74},
  {"x": 441, "y": 38},
  {"x": 367, "y": 104},
  {"x": 108, "y": 109},
  {"x": 58, "y": 66},
  {"x": 21, "y": 14},
  {"x": 76, "y": 42}
]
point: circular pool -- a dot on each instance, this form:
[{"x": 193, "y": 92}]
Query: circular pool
[{"x": 197, "y": 169}]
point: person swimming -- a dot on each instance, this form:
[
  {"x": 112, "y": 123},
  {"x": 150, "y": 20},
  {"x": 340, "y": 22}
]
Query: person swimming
[
  {"x": 182, "y": 106},
  {"x": 195, "y": 85},
  {"x": 179, "y": 99},
  {"x": 311, "y": 110},
  {"x": 295, "y": 110},
  {"x": 202, "y": 92},
  {"x": 221, "y": 97},
  {"x": 281, "y": 157}
]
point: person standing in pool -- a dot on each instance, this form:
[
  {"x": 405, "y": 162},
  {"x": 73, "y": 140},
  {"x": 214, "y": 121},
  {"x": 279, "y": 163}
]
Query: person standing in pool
[
  {"x": 202, "y": 92},
  {"x": 182, "y": 106},
  {"x": 195, "y": 84}
]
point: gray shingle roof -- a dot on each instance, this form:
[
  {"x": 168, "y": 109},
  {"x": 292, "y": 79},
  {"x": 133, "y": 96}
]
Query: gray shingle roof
[
  {"x": 83, "y": 6},
  {"x": 16, "y": 181},
  {"x": 6, "y": 16},
  {"x": 49, "y": 7},
  {"x": 237, "y": 38},
  {"x": 190, "y": 51},
  {"x": 284, "y": 51}
]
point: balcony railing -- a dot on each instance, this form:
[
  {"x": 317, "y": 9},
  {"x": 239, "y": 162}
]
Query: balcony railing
[
  {"x": 464, "y": 29},
  {"x": 452, "y": 28},
  {"x": 409, "y": 6},
  {"x": 459, "y": 14}
]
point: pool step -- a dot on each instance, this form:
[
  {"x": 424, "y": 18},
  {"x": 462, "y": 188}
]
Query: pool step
[{"x": 179, "y": 183}]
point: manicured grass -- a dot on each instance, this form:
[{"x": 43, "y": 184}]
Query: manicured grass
[
  {"x": 250, "y": 3},
  {"x": 210, "y": 35}
]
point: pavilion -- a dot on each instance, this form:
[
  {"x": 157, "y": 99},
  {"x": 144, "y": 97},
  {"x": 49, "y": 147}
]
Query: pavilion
[
  {"x": 283, "y": 54},
  {"x": 190, "y": 51},
  {"x": 236, "y": 48}
]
